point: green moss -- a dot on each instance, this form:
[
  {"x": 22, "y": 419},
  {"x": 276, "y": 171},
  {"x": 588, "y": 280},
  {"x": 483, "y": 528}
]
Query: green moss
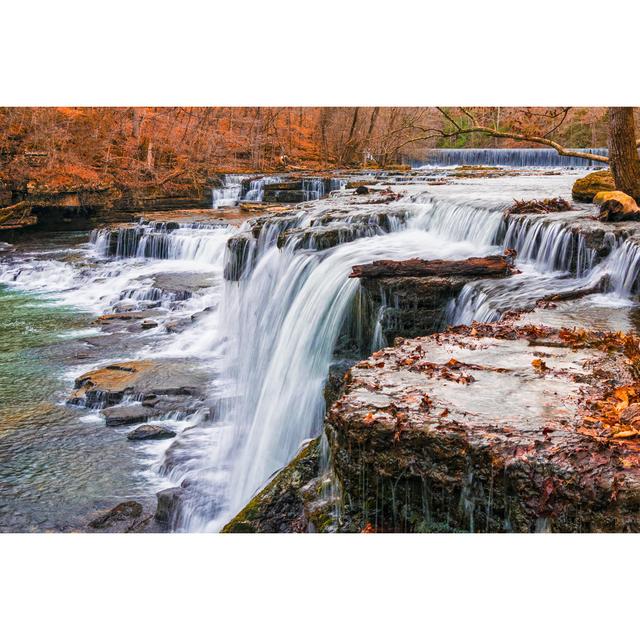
[
  {"x": 584, "y": 189},
  {"x": 270, "y": 509}
]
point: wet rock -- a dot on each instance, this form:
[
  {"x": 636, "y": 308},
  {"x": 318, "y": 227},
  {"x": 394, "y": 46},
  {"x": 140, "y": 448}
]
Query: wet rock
[
  {"x": 284, "y": 196},
  {"x": 148, "y": 324},
  {"x": 486, "y": 428},
  {"x": 355, "y": 184},
  {"x": 361, "y": 190},
  {"x": 485, "y": 267},
  {"x": 585, "y": 189},
  {"x": 295, "y": 185},
  {"x": 198, "y": 315},
  {"x": 240, "y": 256},
  {"x": 151, "y": 432},
  {"x": 182, "y": 285},
  {"x": 168, "y": 504},
  {"x": 280, "y": 506},
  {"x": 127, "y": 414},
  {"x": 138, "y": 379},
  {"x": 336, "y": 380},
  {"x": 122, "y": 518},
  {"x": 410, "y": 307}
]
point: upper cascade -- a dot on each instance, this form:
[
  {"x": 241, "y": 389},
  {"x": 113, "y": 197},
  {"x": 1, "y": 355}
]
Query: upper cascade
[{"x": 541, "y": 157}]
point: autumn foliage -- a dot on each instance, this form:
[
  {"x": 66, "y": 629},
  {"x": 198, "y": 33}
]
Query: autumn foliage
[{"x": 69, "y": 145}]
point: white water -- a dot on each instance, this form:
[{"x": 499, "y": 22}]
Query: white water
[
  {"x": 540, "y": 157},
  {"x": 269, "y": 337}
]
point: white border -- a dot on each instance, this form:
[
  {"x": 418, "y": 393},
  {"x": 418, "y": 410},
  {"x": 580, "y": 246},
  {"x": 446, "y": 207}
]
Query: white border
[{"x": 334, "y": 52}]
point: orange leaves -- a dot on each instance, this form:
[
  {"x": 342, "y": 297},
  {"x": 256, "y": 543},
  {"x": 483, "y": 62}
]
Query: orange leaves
[
  {"x": 617, "y": 417},
  {"x": 628, "y": 433},
  {"x": 623, "y": 394},
  {"x": 368, "y": 528},
  {"x": 369, "y": 418},
  {"x": 539, "y": 365}
]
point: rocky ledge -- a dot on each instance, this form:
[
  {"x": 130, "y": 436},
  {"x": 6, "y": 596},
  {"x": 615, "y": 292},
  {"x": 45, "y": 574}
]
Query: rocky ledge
[
  {"x": 492, "y": 428},
  {"x": 411, "y": 296},
  {"x": 137, "y": 391}
]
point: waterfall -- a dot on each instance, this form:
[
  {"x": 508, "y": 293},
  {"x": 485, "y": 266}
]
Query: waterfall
[
  {"x": 287, "y": 299},
  {"x": 255, "y": 190},
  {"x": 541, "y": 157},
  {"x": 228, "y": 195},
  {"x": 201, "y": 242},
  {"x": 316, "y": 188},
  {"x": 281, "y": 321}
]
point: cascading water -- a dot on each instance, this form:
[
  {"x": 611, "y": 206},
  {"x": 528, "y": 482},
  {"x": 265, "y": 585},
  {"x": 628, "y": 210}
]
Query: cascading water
[
  {"x": 541, "y": 157},
  {"x": 229, "y": 195},
  {"x": 269, "y": 331}
]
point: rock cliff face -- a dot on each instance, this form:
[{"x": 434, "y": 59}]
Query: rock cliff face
[
  {"x": 490, "y": 428},
  {"x": 412, "y": 296}
]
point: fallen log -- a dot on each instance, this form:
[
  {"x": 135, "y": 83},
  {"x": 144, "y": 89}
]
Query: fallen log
[{"x": 486, "y": 267}]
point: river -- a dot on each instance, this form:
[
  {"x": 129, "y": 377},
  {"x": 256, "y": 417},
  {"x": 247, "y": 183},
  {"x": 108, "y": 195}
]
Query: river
[{"x": 262, "y": 309}]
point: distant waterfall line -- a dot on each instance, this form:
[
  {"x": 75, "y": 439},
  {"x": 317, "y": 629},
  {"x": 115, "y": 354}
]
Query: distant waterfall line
[{"x": 541, "y": 157}]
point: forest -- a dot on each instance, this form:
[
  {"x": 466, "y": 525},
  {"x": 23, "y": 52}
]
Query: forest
[{"x": 142, "y": 144}]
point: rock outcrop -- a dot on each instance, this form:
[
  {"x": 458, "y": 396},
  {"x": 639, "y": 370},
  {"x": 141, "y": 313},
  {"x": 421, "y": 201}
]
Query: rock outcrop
[
  {"x": 138, "y": 391},
  {"x": 492, "y": 428},
  {"x": 412, "y": 296}
]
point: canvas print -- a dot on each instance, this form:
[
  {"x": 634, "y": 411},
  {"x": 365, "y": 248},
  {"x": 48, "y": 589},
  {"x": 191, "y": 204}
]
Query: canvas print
[{"x": 319, "y": 319}]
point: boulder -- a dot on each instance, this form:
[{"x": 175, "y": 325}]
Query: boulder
[
  {"x": 127, "y": 414},
  {"x": 616, "y": 206},
  {"x": 123, "y": 518},
  {"x": 492, "y": 428},
  {"x": 585, "y": 189},
  {"x": 151, "y": 432}
]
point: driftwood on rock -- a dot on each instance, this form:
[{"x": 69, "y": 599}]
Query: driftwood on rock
[{"x": 487, "y": 267}]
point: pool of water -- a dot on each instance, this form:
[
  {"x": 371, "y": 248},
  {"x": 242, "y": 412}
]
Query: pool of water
[{"x": 58, "y": 464}]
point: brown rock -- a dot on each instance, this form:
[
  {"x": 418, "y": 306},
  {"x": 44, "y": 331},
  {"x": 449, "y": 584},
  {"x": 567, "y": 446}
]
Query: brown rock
[{"x": 585, "y": 189}]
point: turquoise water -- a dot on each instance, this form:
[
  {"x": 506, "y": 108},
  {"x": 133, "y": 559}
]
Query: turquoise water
[{"x": 58, "y": 464}]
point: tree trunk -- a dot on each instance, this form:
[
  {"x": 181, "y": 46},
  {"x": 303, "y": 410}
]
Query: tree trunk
[
  {"x": 623, "y": 154},
  {"x": 350, "y": 146}
]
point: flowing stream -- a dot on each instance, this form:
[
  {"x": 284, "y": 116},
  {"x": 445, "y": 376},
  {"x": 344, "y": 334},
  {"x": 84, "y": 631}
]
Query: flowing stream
[{"x": 267, "y": 304}]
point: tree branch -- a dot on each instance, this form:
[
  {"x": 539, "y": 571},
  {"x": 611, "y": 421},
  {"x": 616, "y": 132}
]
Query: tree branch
[{"x": 494, "y": 133}]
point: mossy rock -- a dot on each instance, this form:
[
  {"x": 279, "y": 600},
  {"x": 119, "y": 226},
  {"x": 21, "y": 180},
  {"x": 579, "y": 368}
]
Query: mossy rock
[
  {"x": 585, "y": 189},
  {"x": 279, "y": 507}
]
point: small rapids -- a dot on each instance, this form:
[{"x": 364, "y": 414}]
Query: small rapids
[{"x": 270, "y": 301}]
